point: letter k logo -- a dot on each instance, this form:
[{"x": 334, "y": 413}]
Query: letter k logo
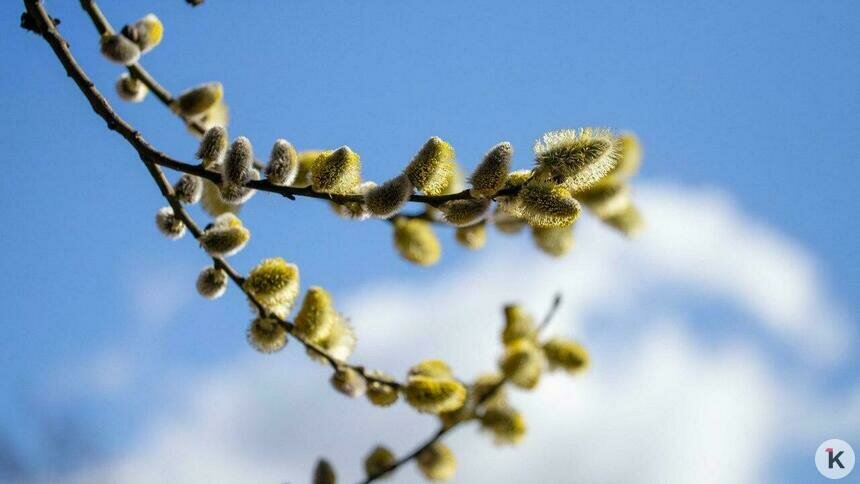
[{"x": 834, "y": 459}]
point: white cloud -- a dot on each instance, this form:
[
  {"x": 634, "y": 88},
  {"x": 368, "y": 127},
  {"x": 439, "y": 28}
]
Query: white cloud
[{"x": 659, "y": 405}]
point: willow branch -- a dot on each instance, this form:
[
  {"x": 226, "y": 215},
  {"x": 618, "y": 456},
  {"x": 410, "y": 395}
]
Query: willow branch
[
  {"x": 443, "y": 429},
  {"x": 45, "y": 27}
]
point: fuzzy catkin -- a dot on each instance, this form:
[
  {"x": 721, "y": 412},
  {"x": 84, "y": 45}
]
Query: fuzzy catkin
[
  {"x": 554, "y": 241},
  {"x": 576, "y": 158},
  {"x": 198, "y": 99},
  {"x": 416, "y": 242},
  {"x": 472, "y": 237},
  {"x": 491, "y": 174},
  {"x": 188, "y": 189},
  {"x": 432, "y": 168},
  {"x": 387, "y": 199},
  {"x": 169, "y": 224},
  {"x": 146, "y": 33},
  {"x": 118, "y": 48},
  {"x": 212, "y": 146},
  {"x": 212, "y": 283},
  {"x": 130, "y": 89},
  {"x": 461, "y": 213},
  {"x": 338, "y": 172},
  {"x": 283, "y": 164},
  {"x": 545, "y": 204},
  {"x": 267, "y": 335}
]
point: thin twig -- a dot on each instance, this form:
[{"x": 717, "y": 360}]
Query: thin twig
[
  {"x": 443, "y": 429},
  {"x": 42, "y": 21}
]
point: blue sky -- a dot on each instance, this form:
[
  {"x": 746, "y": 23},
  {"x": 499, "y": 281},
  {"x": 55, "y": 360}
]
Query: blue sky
[{"x": 757, "y": 102}]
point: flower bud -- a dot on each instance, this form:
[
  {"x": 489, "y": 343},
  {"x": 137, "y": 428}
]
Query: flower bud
[
  {"x": 518, "y": 324},
  {"x": 432, "y": 169},
  {"x": 434, "y": 368},
  {"x": 188, "y": 189},
  {"x": 238, "y": 163},
  {"x": 554, "y": 241},
  {"x": 566, "y": 354},
  {"x": 349, "y": 382},
  {"x": 146, "y": 33},
  {"x": 547, "y": 205},
  {"x": 118, "y": 48},
  {"x": 198, "y": 99},
  {"x": 338, "y": 172},
  {"x": 489, "y": 177},
  {"x": 169, "y": 224},
  {"x": 317, "y": 316},
  {"x": 522, "y": 363},
  {"x": 238, "y": 194},
  {"x": 355, "y": 210},
  {"x": 381, "y": 394},
  {"x": 472, "y": 237},
  {"x": 212, "y": 146},
  {"x": 324, "y": 473},
  {"x": 130, "y": 89},
  {"x": 267, "y": 335},
  {"x": 273, "y": 283},
  {"x": 606, "y": 199},
  {"x": 506, "y": 424},
  {"x": 283, "y": 164},
  {"x": 212, "y": 283},
  {"x": 434, "y": 395},
  {"x": 415, "y": 241},
  {"x": 576, "y": 158},
  {"x": 387, "y": 199},
  {"x": 225, "y": 237},
  {"x": 437, "y": 462},
  {"x": 378, "y": 461},
  {"x": 629, "y": 221},
  {"x": 461, "y": 213},
  {"x": 211, "y": 201}
]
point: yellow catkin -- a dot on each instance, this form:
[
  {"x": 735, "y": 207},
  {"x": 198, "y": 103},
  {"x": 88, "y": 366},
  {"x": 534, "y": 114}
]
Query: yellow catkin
[
  {"x": 169, "y": 224},
  {"x": 274, "y": 283},
  {"x": 518, "y": 324},
  {"x": 198, "y": 99},
  {"x": 434, "y": 395},
  {"x": 324, "y": 473},
  {"x": 606, "y": 199},
  {"x": 630, "y": 157},
  {"x": 566, "y": 354},
  {"x": 629, "y": 221},
  {"x": 437, "y": 462},
  {"x": 472, "y": 237},
  {"x": 338, "y": 172},
  {"x": 306, "y": 161},
  {"x": 506, "y": 424},
  {"x": 355, "y": 210},
  {"x": 461, "y": 213},
  {"x": 387, "y": 199},
  {"x": 522, "y": 363},
  {"x": 576, "y": 158},
  {"x": 433, "y": 367},
  {"x": 225, "y": 237},
  {"x": 544, "y": 204},
  {"x": 486, "y": 390},
  {"x": 211, "y": 283},
  {"x": 146, "y": 33},
  {"x": 267, "y": 335},
  {"x": 339, "y": 343},
  {"x": 381, "y": 394},
  {"x": 378, "y": 461},
  {"x": 119, "y": 48},
  {"x": 211, "y": 201},
  {"x": 317, "y": 316},
  {"x": 188, "y": 189},
  {"x": 491, "y": 174},
  {"x": 432, "y": 169},
  {"x": 416, "y": 242},
  {"x": 349, "y": 382},
  {"x": 507, "y": 223},
  {"x": 554, "y": 241},
  {"x": 283, "y": 164},
  {"x": 130, "y": 89},
  {"x": 212, "y": 146}
]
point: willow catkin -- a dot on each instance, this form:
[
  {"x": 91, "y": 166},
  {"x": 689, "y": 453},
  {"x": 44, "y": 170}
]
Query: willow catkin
[
  {"x": 146, "y": 33},
  {"x": 324, "y": 473},
  {"x": 188, "y": 189},
  {"x": 225, "y": 237},
  {"x": 317, "y": 316},
  {"x": 119, "y": 48},
  {"x": 338, "y": 172},
  {"x": 545, "y": 204},
  {"x": 130, "y": 89},
  {"x": 554, "y": 241},
  {"x": 576, "y": 158},
  {"x": 378, "y": 461},
  {"x": 433, "y": 368},
  {"x": 212, "y": 283},
  {"x": 629, "y": 221},
  {"x": 472, "y": 237},
  {"x": 238, "y": 163},
  {"x": 491, "y": 174},
  {"x": 379, "y": 393},
  {"x": 387, "y": 199},
  {"x": 212, "y": 146},
  {"x": 437, "y": 462},
  {"x": 630, "y": 157},
  {"x": 506, "y": 424},
  {"x": 429, "y": 394},
  {"x": 461, "y": 213},
  {"x": 518, "y": 324},
  {"x": 283, "y": 164},
  {"x": 349, "y": 382},
  {"x": 566, "y": 354},
  {"x": 169, "y": 224},
  {"x": 267, "y": 335},
  {"x": 416, "y": 242},
  {"x": 522, "y": 363},
  {"x": 432, "y": 168},
  {"x": 198, "y": 99},
  {"x": 273, "y": 283},
  {"x": 606, "y": 199}
]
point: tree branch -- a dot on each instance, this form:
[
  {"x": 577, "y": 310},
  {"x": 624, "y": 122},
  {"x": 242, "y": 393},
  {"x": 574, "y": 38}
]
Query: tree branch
[
  {"x": 443, "y": 429},
  {"x": 45, "y": 27}
]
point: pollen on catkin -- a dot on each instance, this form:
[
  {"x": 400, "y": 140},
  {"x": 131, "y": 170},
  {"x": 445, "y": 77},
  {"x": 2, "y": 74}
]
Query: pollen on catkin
[
  {"x": 378, "y": 461},
  {"x": 267, "y": 335},
  {"x": 239, "y": 162},
  {"x": 472, "y": 237},
  {"x": 518, "y": 324},
  {"x": 338, "y": 172},
  {"x": 130, "y": 89},
  {"x": 118, "y": 48},
  {"x": 198, "y": 99},
  {"x": 324, "y": 473},
  {"x": 381, "y": 394},
  {"x": 491, "y": 174},
  {"x": 576, "y": 158},
  {"x": 387, "y": 199},
  {"x": 188, "y": 189},
  {"x": 545, "y": 204},
  {"x": 349, "y": 382},
  {"x": 169, "y": 224},
  {"x": 522, "y": 363},
  {"x": 506, "y": 424},
  {"x": 274, "y": 283},
  {"x": 554, "y": 241},
  {"x": 433, "y": 367},
  {"x": 306, "y": 166},
  {"x": 416, "y": 242},
  {"x": 432, "y": 168},
  {"x": 225, "y": 237},
  {"x": 461, "y": 213},
  {"x": 283, "y": 164},
  {"x": 566, "y": 354},
  {"x": 211, "y": 283},
  {"x": 435, "y": 395},
  {"x": 510, "y": 204},
  {"x": 317, "y": 316},
  {"x": 146, "y": 33},
  {"x": 437, "y": 462},
  {"x": 212, "y": 146}
]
